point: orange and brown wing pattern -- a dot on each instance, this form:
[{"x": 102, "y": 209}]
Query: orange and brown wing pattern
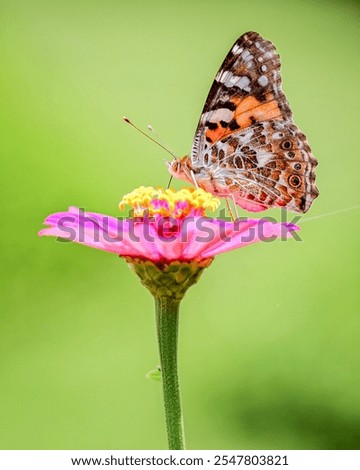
[
  {"x": 247, "y": 146},
  {"x": 246, "y": 90},
  {"x": 269, "y": 164}
]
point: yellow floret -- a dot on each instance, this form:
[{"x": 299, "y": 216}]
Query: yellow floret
[{"x": 143, "y": 201}]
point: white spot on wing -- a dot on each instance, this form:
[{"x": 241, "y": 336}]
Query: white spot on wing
[
  {"x": 278, "y": 135},
  {"x": 275, "y": 78},
  {"x": 243, "y": 83},
  {"x": 263, "y": 80},
  {"x": 221, "y": 114},
  {"x": 233, "y": 79},
  {"x": 237, "y": 49},
  {"x": 246, "y": 137},
  {"x": 222, "y": 76},
  {"x": 259, "y": 46},
  {"x": 263, "y": 158}
]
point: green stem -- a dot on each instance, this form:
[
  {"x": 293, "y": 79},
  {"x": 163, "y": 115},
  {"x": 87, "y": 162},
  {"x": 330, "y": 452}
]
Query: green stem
[
  {"x": 167, "y": 319},
  {"x": 168, "y": 283}
]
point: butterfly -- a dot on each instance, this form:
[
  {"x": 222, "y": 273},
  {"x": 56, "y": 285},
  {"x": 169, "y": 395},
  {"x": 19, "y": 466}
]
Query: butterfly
[{"x": 246, "y": 145}]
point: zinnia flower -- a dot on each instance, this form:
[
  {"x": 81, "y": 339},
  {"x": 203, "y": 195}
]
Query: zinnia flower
[
  {"x": 166, "y": 226},
  {"x": 168, "y": 241}
]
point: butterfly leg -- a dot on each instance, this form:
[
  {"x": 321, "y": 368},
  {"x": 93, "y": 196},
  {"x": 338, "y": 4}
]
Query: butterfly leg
[
  {"x": 235, "y": 206},
  {"x": 229, "y": 209},
  {"x": 194, "y": 179}
]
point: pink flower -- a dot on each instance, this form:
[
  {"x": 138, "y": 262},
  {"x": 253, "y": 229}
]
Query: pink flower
[
  {"x": 168, "y": 242},
  {"x": 166, "y": 226}
]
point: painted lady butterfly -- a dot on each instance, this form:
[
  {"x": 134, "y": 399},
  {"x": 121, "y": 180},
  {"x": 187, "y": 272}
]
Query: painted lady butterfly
[{"x": 247, "y": 146}]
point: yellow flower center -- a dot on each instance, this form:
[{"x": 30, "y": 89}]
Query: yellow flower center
[{"x": 149, "y": 201}]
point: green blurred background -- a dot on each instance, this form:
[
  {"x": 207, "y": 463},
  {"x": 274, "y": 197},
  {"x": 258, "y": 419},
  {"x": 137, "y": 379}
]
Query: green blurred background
[{"x": 269, "y": 339}]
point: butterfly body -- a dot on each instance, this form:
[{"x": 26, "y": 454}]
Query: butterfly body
[{"x": 247, "y": 146}]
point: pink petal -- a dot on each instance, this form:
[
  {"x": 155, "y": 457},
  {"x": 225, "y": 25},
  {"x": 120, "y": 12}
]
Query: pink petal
[
  {"x": 194, "y": 237},
  {"x": 249, "y": 232}
]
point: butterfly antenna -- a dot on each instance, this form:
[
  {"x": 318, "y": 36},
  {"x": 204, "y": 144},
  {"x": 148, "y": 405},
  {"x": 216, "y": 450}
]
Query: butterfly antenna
[
  {"x": 127, "y": 120},
  {"x": 327, "y": 214},
  {"x": 162, "y": 141}
]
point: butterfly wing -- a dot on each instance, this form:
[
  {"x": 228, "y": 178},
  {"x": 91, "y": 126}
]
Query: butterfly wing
[
  {"x": 246, "y": 89},
  {"x": 246, "y": 137},
  {"x": 268, "y": 164}
]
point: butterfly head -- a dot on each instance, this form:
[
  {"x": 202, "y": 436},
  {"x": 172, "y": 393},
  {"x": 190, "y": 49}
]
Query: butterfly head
[{"x": 180, "y": 168}]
